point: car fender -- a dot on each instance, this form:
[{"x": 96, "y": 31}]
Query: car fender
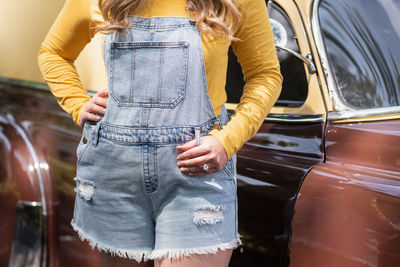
[
  {"x": 346, "y": 215},
  {"x": 24, "y": 203}
]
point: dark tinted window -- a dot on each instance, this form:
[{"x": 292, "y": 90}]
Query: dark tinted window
[
  {"x": 362, "y": 40},
  {"x": 294, "y": 88}
]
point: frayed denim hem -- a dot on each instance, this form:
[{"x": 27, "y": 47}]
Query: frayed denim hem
[
  {"x": 178, "y": 253},
  {"x": 137, "y": 255},
  {"x": 146, "y": 255}
]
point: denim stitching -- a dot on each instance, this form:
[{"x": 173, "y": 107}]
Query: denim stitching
[
  {"x": 132, "y": 81},
  {"x": 155, "y": 170},
  {"x": 122, "y": 127},
  {"x": 165, "y": 27},
  {"x": 79, "y": 156},
  {"x": 147, "y": 183},
  {"x": 111, "y": 63},
  {"x": 133, "y": 135},
  {"x": 228, "y": 169},
  {"x": 184, "y": 74},
  {"x": 150, "y": 44},
  {"x": 160, "y": 76}
]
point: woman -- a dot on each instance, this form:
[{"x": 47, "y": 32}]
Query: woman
[{"x": 156, "y": 169}]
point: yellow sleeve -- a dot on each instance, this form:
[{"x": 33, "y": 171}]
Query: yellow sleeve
[
  {"x": 68, "y": 35},
  {"x": 257, "y": 57}
]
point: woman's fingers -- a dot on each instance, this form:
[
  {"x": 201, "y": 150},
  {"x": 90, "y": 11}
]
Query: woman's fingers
[
  {"x": 99, "y": 97},
  {"x": 102, "y": 92},
  {"x": 191, "y": 150},
  {"x": 193, "y": 158},
  {"x": 97, "y": 104},
  {"x": 186, "y": 146},
  {"x": 195, "y": 162},
  {"x": 196, "y": 165},
  {"x": 100, "y": 101},
  {"x": 94, "y": 108},
  {"x": 92, "y": 117},
  {"x": 88, "y": 116}
]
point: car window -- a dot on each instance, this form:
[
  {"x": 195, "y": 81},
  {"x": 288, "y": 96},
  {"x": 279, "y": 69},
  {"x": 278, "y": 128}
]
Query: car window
[
  {"x": 294, "y": 87},
  {"x": 362, "y": 41}
]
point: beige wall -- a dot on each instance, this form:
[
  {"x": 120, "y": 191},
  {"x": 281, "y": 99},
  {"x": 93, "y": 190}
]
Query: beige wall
[{"x": 23, "y": 26}]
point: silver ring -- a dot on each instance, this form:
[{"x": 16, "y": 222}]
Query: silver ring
[{"x": 205, "y": 167}]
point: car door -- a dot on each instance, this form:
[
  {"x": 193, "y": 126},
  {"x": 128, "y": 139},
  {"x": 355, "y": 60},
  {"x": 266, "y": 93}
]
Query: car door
[
  {"x": 272, "y": 165},
  {"x": 348, "y": 209}
]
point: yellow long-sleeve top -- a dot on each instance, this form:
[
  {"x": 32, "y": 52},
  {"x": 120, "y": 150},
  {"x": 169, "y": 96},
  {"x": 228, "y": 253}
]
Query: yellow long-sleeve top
[{"x": 73, "y": 29}]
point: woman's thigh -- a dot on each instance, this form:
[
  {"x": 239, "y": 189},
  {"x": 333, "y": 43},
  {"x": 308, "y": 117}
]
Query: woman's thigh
[
  {"x": 219, "y": 259},
  {"x": 106, "y": 260}
]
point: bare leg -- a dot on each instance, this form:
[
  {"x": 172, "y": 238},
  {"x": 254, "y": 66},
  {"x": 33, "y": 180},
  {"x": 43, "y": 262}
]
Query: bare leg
[
  {"x": 107, "y": 260},
  {"x": 219, "y": 259}
]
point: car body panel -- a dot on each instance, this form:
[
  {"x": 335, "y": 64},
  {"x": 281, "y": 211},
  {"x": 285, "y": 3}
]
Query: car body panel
[
  {"x": 271, "y": 167},
  {"x": 348, "y": 209},
  {"x": 54, "y": 138},
  {"x": 16, "y": 182}
]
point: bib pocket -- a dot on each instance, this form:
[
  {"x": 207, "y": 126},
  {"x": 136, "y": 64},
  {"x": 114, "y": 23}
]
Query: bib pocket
[{"x": 148, "y": 74}]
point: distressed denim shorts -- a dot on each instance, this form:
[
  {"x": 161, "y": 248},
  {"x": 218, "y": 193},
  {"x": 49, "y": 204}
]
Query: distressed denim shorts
[{"x": 133, "y": 201}]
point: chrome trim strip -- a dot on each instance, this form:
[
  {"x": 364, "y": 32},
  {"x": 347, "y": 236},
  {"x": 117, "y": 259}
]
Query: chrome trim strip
[
  {"x": 295, "y": 118},
  {"x": 334, "y": 93},
  {"x": 351, "y": 114},
  {"x": 29, "y": 246},
  {"x": 35, "y": 159},
  {"x": 290, "y": 118}
]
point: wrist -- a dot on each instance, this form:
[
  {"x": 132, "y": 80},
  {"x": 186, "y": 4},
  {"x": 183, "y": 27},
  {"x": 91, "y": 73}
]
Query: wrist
[{"x": 220, "y": 138}]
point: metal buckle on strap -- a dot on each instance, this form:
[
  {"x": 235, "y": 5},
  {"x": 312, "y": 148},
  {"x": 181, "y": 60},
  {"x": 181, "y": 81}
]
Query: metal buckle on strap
[{"x": 189, "y": 8}]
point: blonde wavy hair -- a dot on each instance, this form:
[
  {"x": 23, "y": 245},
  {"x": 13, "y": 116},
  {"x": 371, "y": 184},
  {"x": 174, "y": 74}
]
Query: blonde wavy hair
[{"x": 216, "y": 17}]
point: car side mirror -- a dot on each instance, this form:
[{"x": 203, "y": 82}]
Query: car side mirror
[{"x": 306, "y": 59}]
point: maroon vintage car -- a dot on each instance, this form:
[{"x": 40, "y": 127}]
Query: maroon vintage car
[{"x": 318, "y": 185}]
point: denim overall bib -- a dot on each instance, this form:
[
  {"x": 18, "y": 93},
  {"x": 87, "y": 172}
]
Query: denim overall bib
[{"x": 132, "y": 200}]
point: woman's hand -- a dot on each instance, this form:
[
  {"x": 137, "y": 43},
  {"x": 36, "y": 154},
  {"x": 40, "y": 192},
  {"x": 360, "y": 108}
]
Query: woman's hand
[
  {"x": 97, "y": 104},
  {"x": 210, "y": 152}
]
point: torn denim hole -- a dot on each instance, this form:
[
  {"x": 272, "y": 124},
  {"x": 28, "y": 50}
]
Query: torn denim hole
[
  {"x": 84, "y": 188},
  {"x": 208, "y": 215}
]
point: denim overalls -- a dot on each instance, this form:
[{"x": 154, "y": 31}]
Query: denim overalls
[{"x": 132, "y": 200}]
